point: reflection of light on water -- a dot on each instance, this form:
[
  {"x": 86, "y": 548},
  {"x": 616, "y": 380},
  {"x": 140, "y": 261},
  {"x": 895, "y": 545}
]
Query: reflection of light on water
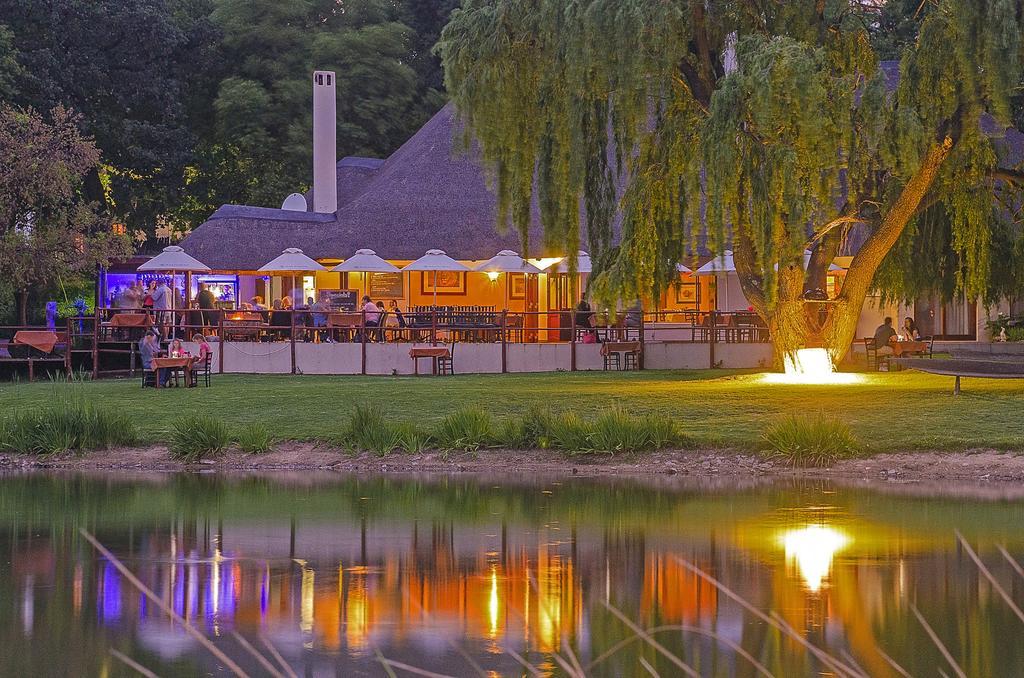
[
  {"x": 810, "y": 366},
  {"x": 306, "y": 614},
  {"x": 357, "y": 614},
  {"x": 812, "y": 549},
  {"x": 492, "y": 603}
]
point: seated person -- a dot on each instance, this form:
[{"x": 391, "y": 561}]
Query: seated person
[
  {"x": 910, "y": 332},
  {"x": 396, "y": 313},
  {"x": 635, "y": 314},
  {"x": 585, "y": 322},
  {"x": 149, "y": 348},
  {"x": 177, "y": 349},
  {"x": 204, "y": 348},
  {"x": 280, "y": 321},
  {"x": 883, "y": 335}
]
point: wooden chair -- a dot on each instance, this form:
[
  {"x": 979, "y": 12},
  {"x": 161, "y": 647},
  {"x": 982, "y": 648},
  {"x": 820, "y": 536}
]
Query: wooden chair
[
  {"x": 148, "y": 378},
  {"x": 446, "y": 364},
  {"x": 201, "y": 369},
  {"x": 930, "y": 340},
  {"x": 871, "y": 353}
]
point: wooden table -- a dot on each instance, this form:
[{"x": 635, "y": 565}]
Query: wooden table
[
  {"x": 184, "y": 363},
  {"x": 43, "y": 340},
  {"x": 131, "y": 320},
  {"x": 908, "y": 347},
  {"x": 432, "y": 352}
]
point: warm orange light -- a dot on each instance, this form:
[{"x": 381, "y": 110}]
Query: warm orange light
[
  {"x": 811, "y": 366},
  {"x": 492, "y": 275},
  {"x": 811, "y": 549}
]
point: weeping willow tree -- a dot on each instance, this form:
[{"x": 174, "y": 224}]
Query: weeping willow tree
[{"x": 767, "y": 127}]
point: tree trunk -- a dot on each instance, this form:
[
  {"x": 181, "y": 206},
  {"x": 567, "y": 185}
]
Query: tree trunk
[
  {"x": 23, "y": 307},
  {"x": 796, "y": 323}
]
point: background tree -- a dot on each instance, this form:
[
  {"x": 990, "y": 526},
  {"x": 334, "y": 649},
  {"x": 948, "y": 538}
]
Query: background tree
[
  {"x": 768, "y": 128},
  {"x": 48, "y": 231}
]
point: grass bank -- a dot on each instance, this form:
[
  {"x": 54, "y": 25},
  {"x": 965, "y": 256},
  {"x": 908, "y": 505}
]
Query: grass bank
[{"x": 903, "y": 411}]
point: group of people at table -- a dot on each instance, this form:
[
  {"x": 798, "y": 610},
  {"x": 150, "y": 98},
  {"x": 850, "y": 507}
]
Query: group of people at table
[
  {"x": 152, "y": 353},
  {"x": 887, "y": 341}
]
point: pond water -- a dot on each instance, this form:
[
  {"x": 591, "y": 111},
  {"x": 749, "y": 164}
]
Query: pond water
[{"x": 455, "y": 574}]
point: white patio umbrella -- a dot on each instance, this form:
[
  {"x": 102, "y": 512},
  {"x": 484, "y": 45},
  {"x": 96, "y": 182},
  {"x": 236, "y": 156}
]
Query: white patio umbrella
[
  {"x": 290, "y": 262},
  {"x": 683, "y": 269},
  {"x": 174, "y": 260},
  {"x": 365, "y": 261},
  {"x": 722, "y": 265},
  {"x": 507, "y": 261},
  {"x": 436, "y": 260},
  {"x": 583, "y": 264}
]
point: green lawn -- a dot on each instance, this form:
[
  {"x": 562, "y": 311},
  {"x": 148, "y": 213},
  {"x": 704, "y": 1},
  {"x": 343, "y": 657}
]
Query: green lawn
[{"x": 888, "y": 412}]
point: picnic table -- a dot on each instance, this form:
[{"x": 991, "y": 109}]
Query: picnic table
[
  {"x": 183, "y": 363},
  {"x": 434, "y": 353},
  {"x": 41, "y": 340}
]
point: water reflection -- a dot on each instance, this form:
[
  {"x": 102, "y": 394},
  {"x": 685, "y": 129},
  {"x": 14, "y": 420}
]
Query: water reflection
[{"x": 451, "y": 575}]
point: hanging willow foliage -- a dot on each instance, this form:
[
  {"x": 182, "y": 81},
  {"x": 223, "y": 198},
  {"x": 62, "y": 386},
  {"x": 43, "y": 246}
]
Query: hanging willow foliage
[{"x": 767, "y": 128}]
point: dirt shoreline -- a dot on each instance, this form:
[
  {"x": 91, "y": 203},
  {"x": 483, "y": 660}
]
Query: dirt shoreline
[{"x": 982, "y": 465}]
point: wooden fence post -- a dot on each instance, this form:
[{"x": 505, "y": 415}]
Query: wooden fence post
[
  {"x": 643, "y": 330},
  {"x": 362, "y": 337},
  {"x": 712, "y": 337},
  {"x": 96, "y": 344},
  {"x": 572, "y": 340},
  {"x": 220, "y": 342},
  {"x": 292, "y": 315},
  {"x": 67, "y": 349},
  {"x": 504, "y": 333}
]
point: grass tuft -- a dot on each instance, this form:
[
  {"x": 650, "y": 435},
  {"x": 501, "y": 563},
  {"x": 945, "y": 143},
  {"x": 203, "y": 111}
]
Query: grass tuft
[
  {"x": 63, "y": 425},
  {"x": 811, "y": 441},
  {"x": 568, "y": 431},
  {"x": 255, "y": 439},
  {"x": 468, "y": 429},
  {"x": 368, "y": 429},
  {"x": 198, "y": 436}
]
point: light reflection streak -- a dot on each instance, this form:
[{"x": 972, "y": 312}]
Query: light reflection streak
[{"x": 812, "y": 549}]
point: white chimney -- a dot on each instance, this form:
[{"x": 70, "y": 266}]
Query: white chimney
[{"x": 325, "y": 153}]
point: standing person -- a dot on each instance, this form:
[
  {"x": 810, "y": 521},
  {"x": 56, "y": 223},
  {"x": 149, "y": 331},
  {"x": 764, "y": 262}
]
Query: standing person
[
  {"x": 147, "y": 296},
  {"x": 206, "y": 304},
  {"x": 149, "y": 348},
  {"x": 132, "y": 297},
  {"x": 320, "y": 309},
  {"x": 371, "y": 315},
  {"x": 162, "y": 304}
]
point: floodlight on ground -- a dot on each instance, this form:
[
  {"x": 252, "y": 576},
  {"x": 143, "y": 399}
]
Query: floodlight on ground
[{"x": 810, "y": 366}]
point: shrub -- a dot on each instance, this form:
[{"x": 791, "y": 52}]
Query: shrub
[
  {"x": 663, "y": 432},
  {"x": 412, "y": 438},
  {"x": 69, "y": 424},
  {"x": 811, "y": 441},
  {"x": 368, "y": 429},
  {"x": 467, "y": 429},
  {"x": 569, "y": 432},
  {"x": 197, "y": 436},
  {"x": 529, "y": 431},
  {"x": 255, "y": 439}
]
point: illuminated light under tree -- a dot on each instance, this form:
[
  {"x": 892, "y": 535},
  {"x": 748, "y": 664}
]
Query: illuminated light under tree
[
  {"x": 764, "y": 128},
  {"x": 810, "y": 366}
]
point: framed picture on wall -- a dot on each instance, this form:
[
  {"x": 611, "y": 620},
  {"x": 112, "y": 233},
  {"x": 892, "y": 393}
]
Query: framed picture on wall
[
  {"x": 516, "y": 285},
  {"x": 443, "y": 282},
  {"x": 688, "y": 294}
]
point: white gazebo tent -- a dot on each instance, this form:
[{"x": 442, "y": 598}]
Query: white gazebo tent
[
  {"x": 365, "y": 262},
  {"x": 583, "y": 264},
  {"x": 507, "y": 261},
  {"x": 174, "y": 260},
  {"x": 290, "y": 262},
  {"x": 436, "y": 261},
  {"x": 720, "y": 266}
]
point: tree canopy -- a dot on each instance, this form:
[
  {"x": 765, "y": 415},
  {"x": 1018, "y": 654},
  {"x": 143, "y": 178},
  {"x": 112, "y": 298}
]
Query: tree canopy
[
  {"x": 768, "y": 128},
  {"x": 194, "y": 103}
]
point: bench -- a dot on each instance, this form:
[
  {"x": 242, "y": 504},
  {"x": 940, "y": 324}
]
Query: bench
[{"x": 965, "y": 367}]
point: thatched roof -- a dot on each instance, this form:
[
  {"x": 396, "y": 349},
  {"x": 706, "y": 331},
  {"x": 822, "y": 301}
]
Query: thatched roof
[{"x": 428, "y": 194}]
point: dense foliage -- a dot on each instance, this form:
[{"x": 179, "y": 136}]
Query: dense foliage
[
  {"x": 49, "y": 234},
  {"x": 766, "y": 128},
  {"x": 194, "y": 103}
]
